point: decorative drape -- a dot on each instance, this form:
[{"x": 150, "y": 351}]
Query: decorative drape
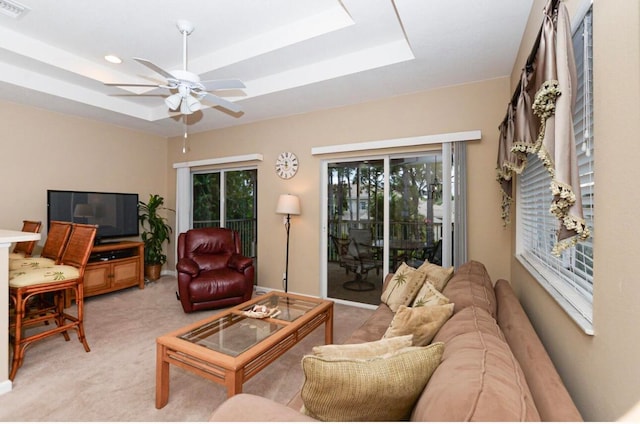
[{"x": 545, "y": 127}]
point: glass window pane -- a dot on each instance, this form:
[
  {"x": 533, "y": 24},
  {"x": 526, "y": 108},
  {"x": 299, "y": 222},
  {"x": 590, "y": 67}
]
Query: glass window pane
[
  {"x": 240, "y": 207},
  {"x": 415, "y": 209},
  {"x": 206, "y": 200}
]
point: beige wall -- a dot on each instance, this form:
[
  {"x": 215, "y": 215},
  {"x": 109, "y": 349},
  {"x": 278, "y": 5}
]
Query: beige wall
[
  {"x": 602, "y": 371},
  {"x": 42, "y": 150},
  {"x": 478, "y": 106}
]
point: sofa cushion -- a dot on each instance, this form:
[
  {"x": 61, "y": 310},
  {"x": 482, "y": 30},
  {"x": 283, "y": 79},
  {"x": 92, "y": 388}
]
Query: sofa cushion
[
  {"x": 549, "y": 392},
  {"x": 403, "y": 287},
  {"x": 479, "y": 379},
  {"x": 422, "y": 322},
  {"x": 363, "y": 350},
  {"x": 437, "y": 275},
  {"x": 374, "y": 327},
  {"x": 468, "y": 320},
  {"x": 379, "y": 389},
  {"x": 429, "y": 295},
  {"x": 252, "y": 408},
  {"x": 471, "y": 285}
]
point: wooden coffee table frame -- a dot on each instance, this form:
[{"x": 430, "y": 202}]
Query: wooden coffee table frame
[{"x": 234, "y": 371}]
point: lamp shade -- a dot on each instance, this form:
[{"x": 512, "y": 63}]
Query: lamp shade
[{"x": 288, "y": 204}]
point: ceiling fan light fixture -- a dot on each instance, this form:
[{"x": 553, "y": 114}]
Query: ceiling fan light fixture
[
  {"x": 192, "y": 103},
  {"x": 173, "y": 101},
  {"x": 185, "y": 109}
]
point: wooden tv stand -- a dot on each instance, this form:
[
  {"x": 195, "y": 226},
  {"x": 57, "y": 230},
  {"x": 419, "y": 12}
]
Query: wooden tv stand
[{"x": 114, "y": 266}]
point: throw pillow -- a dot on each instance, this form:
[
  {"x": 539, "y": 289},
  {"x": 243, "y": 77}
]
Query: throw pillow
[
  {"x": 363, "y": 350},
  {"x": 379, "y": 389},
  {"x": 428, "y": 295},
  {"x": 437, "y": 275},
  {"x": 423, "y": 322},
  {"x": 403, "y": 287}
]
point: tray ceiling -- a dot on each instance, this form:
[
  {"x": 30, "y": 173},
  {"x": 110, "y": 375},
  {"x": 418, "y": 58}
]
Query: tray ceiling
[{"x": 294, "y": 56}]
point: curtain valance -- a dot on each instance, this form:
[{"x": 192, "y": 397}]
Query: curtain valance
[{"x": 544, "y": 126}]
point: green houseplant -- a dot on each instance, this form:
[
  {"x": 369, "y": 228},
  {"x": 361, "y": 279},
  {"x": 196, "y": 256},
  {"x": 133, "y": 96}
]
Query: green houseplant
[{"x": 155, "y": 231}]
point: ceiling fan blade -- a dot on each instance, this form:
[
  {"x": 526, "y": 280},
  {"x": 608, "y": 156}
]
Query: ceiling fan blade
[
  {"x": 154, "y": 67},
  {"x": 222, "y": 102},
  {"x": 132, "y": 85},
  {"x": 222, "y": 84}
]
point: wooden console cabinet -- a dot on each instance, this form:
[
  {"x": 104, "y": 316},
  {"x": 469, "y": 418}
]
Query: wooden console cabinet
[{"x": 114, "y": 266}]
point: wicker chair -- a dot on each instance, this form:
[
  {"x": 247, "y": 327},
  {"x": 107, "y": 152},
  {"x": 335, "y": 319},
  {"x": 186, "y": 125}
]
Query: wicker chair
[
  {"x": 55, "y": 279},
  {"x": 51, "y": 251},
  {"x": 23, "y": 249}
]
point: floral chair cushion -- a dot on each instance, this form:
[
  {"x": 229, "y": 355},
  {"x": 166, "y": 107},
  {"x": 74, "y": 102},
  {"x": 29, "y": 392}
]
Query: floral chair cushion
[
  {"x": 29, "y": 263},
  {"x": 16, "y": 255},
  {"x": 30, "y": 277}
]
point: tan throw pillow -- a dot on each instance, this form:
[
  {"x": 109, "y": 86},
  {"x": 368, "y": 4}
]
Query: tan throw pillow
[
  {"x": 403, "y": 287},
  {"x": 423, "y": 322},
  {"x": 379, "y": 389},
  {"x": 363, "y": 350},
  {"x": 428, "y": 295},
  {"x": 437, "y": 275}
]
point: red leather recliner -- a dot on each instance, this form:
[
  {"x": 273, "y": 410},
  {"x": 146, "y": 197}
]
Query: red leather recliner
[{"x": 212, "y": 273}]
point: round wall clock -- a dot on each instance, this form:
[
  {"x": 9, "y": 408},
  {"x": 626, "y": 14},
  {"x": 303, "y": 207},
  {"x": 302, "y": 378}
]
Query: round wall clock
[{"x": 286, "y": 165}]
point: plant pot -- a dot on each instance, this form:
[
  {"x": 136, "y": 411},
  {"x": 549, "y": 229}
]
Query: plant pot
[{"x": 152, "y": 271}]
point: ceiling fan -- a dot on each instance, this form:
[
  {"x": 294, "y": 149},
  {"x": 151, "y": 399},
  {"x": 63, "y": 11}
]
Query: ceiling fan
[{"x": 186, "y": 86}]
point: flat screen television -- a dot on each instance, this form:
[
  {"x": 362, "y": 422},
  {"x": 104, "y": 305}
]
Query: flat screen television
[{"x": 115, "y": 214}]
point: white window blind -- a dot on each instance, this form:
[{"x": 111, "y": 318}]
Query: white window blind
[{"x": 569, "y": 277}]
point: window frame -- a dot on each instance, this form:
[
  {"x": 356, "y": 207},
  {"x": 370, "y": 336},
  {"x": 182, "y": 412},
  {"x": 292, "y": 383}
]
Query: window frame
[{"x": 574, "y": 299}]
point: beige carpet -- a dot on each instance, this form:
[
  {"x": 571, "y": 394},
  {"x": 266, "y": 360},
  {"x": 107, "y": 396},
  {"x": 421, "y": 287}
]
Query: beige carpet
[{"x": 59, "y": 381}]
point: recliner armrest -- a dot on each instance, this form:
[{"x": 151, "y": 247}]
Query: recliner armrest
[
  {"x": 239, "y": 262},
  {"x": 188, "y": 266}
]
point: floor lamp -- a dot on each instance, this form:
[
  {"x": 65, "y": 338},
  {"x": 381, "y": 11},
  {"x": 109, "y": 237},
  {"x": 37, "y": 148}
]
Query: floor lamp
[{"x": 288, "y": 204}]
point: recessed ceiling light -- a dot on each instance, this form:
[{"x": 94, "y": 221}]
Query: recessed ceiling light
[
  {"x": 112, "y": 58},
  {"x": 12, "y": 8}
]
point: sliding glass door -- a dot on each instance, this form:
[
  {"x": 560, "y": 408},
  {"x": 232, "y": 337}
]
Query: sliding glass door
[
  {"x": 380, "y": 213},
  {"x": 227, "y": 198}
]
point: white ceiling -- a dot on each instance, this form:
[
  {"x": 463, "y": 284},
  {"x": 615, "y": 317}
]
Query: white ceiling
[{"x": 294, "y": 56}]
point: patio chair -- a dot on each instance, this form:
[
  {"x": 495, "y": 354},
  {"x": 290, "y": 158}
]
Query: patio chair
[{"x": 351, "y": 261}]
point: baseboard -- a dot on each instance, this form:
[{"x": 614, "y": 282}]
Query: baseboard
[
  {"x": 262, "y": 290},
  {"x": 5, "y": 387}
]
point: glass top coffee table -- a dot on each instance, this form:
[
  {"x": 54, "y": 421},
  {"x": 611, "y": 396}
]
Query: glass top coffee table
[{"x": 229, "y": 347}]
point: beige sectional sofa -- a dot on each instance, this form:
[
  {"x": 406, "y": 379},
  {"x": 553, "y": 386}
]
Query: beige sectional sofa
[{"x": 493, "y": 368}]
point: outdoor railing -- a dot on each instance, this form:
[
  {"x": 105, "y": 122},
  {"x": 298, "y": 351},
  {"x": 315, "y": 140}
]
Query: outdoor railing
[{"x": 398, "y": 231}]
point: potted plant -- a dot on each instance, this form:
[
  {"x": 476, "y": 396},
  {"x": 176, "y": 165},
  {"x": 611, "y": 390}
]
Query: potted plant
[{"x": 155, "y": 231}]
